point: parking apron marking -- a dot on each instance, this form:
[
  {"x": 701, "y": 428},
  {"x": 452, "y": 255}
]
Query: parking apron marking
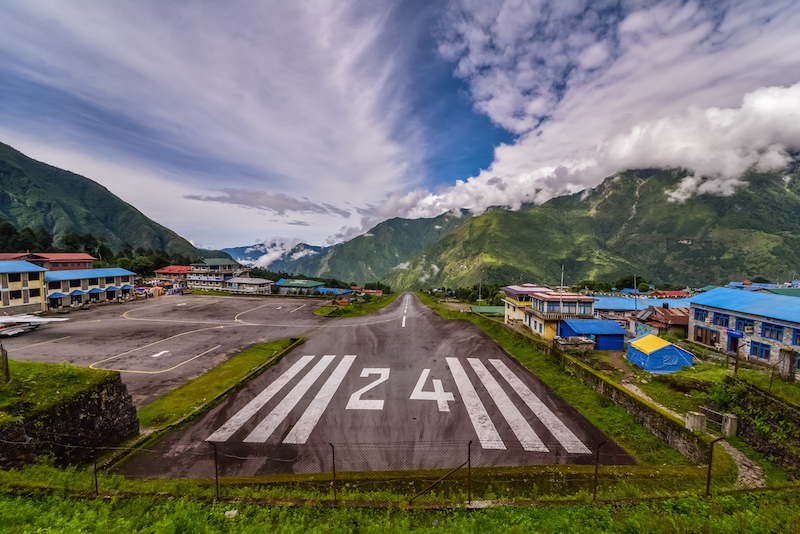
[
  {"x": 242, "y": 416},
  {"x": 559, "y": 430},
  {"x": 525, "y": 434},
  {"x": 305, "y": 425},
  {"x": 487, "y": 433},
  {"x": 266, "y": 427},
  {"x": 37, "y": 344},
  {"x": 163, "y": 370}
]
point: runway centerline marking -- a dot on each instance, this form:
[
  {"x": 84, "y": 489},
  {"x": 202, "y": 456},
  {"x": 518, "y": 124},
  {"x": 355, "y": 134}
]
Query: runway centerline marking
[
  {"x": 559, "y": 430},
  {"x": 150, "y": 345},
  {"x": 242, "y": 416},
  {"x": 305, "y": 425},
  {"x": 484, "y": 428},
  {"x": 525, "y": 434},
  {"x": 265, "y": 428},
  {"x": 37, "y": 344},
  {"x": 404, "y": 321}
]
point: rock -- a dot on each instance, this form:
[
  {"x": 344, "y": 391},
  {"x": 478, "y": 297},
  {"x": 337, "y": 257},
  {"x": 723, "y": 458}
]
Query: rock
[{"x": 230, "y": 514}]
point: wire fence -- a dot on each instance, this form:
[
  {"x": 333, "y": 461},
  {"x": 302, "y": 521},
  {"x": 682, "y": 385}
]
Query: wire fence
[{"x": 443, "y": 472}]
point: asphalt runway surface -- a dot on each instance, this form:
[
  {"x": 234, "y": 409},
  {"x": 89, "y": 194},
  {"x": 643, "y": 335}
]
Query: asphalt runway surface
[
  {"x": 159, "y": 344},
  {"x": 399, "y": 389}
]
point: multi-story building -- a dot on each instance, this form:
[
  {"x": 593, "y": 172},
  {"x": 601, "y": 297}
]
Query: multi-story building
[
  {"x": 21, "y": 287},
  {"x": 248, "y": 286},
  {"x": 173, "y": 275},
  {"x": 758, "y": 325},
  {"x": 517, "y": 298},
  {"x": 73, "y": 288},
  {"x": 52, "y": 261},
  {"x": 548, "y": 309},
  {"x": 212, "y": 273}
]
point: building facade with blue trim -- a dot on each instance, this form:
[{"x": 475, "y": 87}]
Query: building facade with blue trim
[
  {"x": 748, "y": 323},
  {"x": 74, "y": 288}
]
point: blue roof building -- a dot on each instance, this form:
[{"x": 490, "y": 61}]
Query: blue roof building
[
  {"x": 21, "y": 287},
  {"x": 79, "y": 286},
  {"x": 607, "y": 335},
  {"x": 748, "y": 323}
]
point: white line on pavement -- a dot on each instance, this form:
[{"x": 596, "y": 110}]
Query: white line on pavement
[
  {"x": 559, "y": 430},
  {"x": 242, "y": 416},
  {"x": 404, "y": 321},
  {"x": 487, "y": 433},
  {"x": 525, "y": 434},
  {"x": 266, "y": 427},
  {"x": 157, "y": 354},
  {"x": 305, "y": 425},
  {"x": 294, "y": 310}
]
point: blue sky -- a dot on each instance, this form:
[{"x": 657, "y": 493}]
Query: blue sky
[{"x": 314, "y": 120}]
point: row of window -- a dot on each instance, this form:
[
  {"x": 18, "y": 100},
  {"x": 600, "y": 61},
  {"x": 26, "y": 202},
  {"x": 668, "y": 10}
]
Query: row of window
[
  {"x": 768, "y": 330},
  {"x": 17, "y": 277},
  {"x": 92, "y": 282},
  {"x": 16, "y": 295}
]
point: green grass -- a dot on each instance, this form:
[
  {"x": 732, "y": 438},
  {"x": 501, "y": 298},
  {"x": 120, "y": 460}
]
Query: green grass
[
  {"x": 611, "y": 419},
  {"x": 769, "y": 512},
  {"x": 675, "y": 400},
  {"x": 192, "y": 395},
  {"x": 365, "y": 308},
  {"x": 325, "y": 311},
  {"x": 38, "y": 388}
]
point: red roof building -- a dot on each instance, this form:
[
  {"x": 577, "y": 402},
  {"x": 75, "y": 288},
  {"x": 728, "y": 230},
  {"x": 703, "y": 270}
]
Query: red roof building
[
  {"x": 172, "y": 275},
  {"x": 52, "y": 261}
]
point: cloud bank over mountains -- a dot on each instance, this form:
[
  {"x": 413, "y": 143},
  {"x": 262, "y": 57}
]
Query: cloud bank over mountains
[{"x": 306, "y": 120}]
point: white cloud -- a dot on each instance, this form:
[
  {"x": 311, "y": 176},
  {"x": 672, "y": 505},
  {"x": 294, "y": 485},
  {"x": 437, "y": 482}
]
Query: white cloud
[
  {"x": 403, "y": 265},
  {"x": 275, "y": 248},
  {"x": 303, "y": 253}
]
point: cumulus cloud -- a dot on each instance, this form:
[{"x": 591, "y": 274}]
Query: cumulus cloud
[
  {"x": 705, "y": 87},
  {"x": 303, "y": 253},
  {"x": 274, "y": 248},
  {"x": 403, "y": 265}
]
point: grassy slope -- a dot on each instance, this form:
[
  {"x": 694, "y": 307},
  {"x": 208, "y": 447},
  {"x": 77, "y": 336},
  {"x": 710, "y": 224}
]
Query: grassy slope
[
  {"x": 37, "y": 388},
  {"x": 36, "y": 195}
]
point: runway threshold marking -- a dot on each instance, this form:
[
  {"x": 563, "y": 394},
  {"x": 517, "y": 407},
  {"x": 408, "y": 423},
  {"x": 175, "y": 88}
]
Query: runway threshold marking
[
  {"x": 42, "y": 343},
  {"x": 149, "y": 345},
  {"x": 559, "y": 430},
  {"x": 265, "y": 428},
  {"x": 163, "y": 370},
  {"x": 481, "y": 422},
  {"x": 525, "y": 434},
  {"x": 305, "y": 425},
  {"x": 242, "y": 416}
]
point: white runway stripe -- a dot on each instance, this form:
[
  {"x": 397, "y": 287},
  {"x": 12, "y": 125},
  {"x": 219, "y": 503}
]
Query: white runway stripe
[
  {"x": 242, "y": 416},
  {"x": 559, "y": 430},
  {"x": 487, "y": 433},
  {"x": 525, "y": 434},
  {"x": 305, "y": 425},
  {"x": 266, "y": 427}
]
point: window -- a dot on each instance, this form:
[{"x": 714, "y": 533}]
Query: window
[
  {"x": 796, "y": 338},
  {"x": 54, "y": 285},
  {"x": 74, "y": 283},
  {"x": 721, "y": 319},
  {"x": 110, "y": 280},
  {"x": 15, "y": 294},
  {"x": 759, "y": 350},
  {"x": 34, "y": 276},
  {"x": 35, "y": 292},
  {"x": 700, "y": 315},
  {"x": 125, "y": 278},
  {"x": 772, "y": 331},
  {"x": 14, "y": 277},
  {"x": 745, "y": 325},
  {"x": 92, "y": 281},
  {"x": 585, "y": 308}
]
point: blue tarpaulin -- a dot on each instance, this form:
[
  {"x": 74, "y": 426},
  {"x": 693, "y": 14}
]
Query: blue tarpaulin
[{"x": 657, "y": 356}]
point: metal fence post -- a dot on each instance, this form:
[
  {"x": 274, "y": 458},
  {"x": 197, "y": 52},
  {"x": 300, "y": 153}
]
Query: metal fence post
[
  {"x": 333, "y": 463},
  {"x": 710, "y": 459},
  {"x": 596, "y": 469},
  {"x": 216, "y": 469},
  {"x": 469, "y": 472}
]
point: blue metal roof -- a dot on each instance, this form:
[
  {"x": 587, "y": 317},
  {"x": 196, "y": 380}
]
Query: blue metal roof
[
  {"x": 19, "y": 266},
  {"x": 594, "y": 326},
  {"x": 752, "y": 302},
  {"x": 673, "y": 303},
  {"x": 618, "y": 303},
  {"x": 81, "y": 274}
]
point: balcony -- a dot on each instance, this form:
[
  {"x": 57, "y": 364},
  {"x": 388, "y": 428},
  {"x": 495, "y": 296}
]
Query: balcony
[{"x": 555, "y": 316}]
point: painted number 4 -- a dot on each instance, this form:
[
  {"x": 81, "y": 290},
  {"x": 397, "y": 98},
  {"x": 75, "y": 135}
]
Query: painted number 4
[{"x": 438, "y": 394}]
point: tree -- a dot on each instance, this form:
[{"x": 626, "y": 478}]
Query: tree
[
  {"x": 643, "y": 287},
  {"x": 760, "y": 280}
]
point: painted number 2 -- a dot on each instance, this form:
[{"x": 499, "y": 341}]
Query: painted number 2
[
  {"x": 438, "y": 394},
  {"x": 356, "y": 402}
]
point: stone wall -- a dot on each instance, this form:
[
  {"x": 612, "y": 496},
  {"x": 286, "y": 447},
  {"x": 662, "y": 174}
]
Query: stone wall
[{"x": 103, "y": 417}]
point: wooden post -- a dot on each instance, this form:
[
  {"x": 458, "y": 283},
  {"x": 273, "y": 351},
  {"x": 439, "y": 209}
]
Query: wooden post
[
  {"x": 469, "y": 472},
  {"x": 710, "y": 459},
  {"x": 333, "y": 464},
  {"x": 596, "y": 469},
  {"x": 6, "y": 371}
]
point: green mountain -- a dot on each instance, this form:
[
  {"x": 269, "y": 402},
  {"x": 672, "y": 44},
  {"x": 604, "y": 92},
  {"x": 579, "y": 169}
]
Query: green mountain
[
  {"x": 36, "y": 195},
  {"x": 366, "y": 258},
  {"x": 626, "y": 225}
]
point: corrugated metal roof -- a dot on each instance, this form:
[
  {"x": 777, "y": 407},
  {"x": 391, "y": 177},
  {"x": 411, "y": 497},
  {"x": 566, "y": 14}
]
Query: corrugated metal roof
[
  {"x": 215, "y": 261},
  {"x": 594, "y": 326},
  {"x": 18, "y": 266},
  {"x": 247, "y": 280},
  {"x": 175, "y": 269},
  {"x": 618, "y": 303},
  {"x": 80, "y": 274},
  {"x": 283, "y": 282},
  {"x": 787, "y": 291},
  {"x": 752, "y": 302}
]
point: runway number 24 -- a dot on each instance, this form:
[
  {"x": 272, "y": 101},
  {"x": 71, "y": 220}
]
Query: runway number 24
[{"x": 439, "y": 395}]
